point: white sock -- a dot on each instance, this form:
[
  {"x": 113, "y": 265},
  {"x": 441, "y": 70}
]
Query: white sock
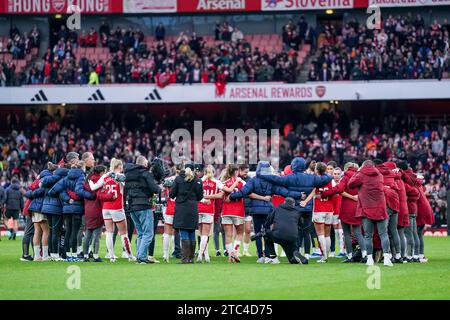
[
  {"x": 79, "y": 249},
  {"x": 172, "y": 240},
  {"x": 364, "y": 253},
  {"x": 307, "y": 256},
  {"x": 126, "y": 244},
  {"x": 37, "y": 252},
  {"x": 203, "y": 243},
  {"x": 237, "y": 246},
  {"x": 370, "y": 259},
  {"x": 110, "y": 244},
  {"x": 95, "y": 255},
  {"x": 397, "y": 256},
  {"x": 246, "y": 246},
  {"x": 328, "y": 242},
  {"x": 350, "y": 255},
  {"x": 206, "y": 253},
  {"x": 45, "y": 252},
  {"x": 339, "y": 233},
  {"x": 415, "y": 256},
  {"x": 421, "y": 256},
  {"x": 323, "y": 246},
  {"x": 408, "y": 257},
  {"x": 166, "y": 243},
  {"x": 229, "y": 247}
]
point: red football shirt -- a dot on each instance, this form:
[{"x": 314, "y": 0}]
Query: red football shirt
[
  {"x": 325, "y": 204},
  {"x": 233, "y": 208},
  {"x": 210, "y": 187}
]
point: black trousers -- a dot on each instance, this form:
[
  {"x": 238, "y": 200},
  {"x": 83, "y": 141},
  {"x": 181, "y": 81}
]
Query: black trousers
[
  {"x": 72, "y": 224},
  {"x": 55, "y": 223},
  {"x": 289, "y": 245},
  {"x": 151, "y": 247},
  {"x": 258, "y": 222},
  {"x": 27, "y": 236},
  {"x": 304, "y": 231}
]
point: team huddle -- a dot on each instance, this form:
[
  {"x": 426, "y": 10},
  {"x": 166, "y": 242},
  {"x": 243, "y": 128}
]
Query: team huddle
[{"x": 378, "y": 207}]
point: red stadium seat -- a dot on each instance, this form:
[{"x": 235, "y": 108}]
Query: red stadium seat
[{"x": 34, "y": 52}]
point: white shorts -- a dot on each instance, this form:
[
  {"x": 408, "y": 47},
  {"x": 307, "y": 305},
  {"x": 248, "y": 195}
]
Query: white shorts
[
  {"x": 323, "y": 217},
  {"x": 168, "y": 219},
  {"x": 38, "y": 217},
  {"x": 335, "y": 219},
  {"x": 205, "y": 218},
  {"x": 248, "y": 219},
  {"x": 237, "y": 221},
  {"x": 114, "y": 215}
]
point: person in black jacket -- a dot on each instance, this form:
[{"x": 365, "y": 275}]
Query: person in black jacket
[
  {"x": 13, "y": 206},
  {"x": 140, "y": 186},
  {"x": 281, "y": 227},
  {"x": 187, "y": 190}
]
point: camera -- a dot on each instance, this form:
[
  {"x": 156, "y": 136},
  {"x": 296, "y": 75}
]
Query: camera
[
  {"x": 160, "y": 169},
  {"x": 258, "y": 235}
]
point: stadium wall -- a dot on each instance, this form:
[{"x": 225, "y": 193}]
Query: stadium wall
[{"x": 234, "y": 92}]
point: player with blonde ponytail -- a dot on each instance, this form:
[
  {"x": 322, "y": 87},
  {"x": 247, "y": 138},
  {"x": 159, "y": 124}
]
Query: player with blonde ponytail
[
  {"x": 211, "y": 191},
  {"x": 113, "y": 210}
]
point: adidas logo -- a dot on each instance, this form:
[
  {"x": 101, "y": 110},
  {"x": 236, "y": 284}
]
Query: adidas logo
[
  {"x": 97, "y": 95},
  {"x": 153, "y": 96},
  {"x": 40, "y": 96}
]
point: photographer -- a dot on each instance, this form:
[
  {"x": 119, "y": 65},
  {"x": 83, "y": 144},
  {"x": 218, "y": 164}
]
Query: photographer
[
  {"x": 140, "y": 186},
  {"x": 281, "y": 227}
]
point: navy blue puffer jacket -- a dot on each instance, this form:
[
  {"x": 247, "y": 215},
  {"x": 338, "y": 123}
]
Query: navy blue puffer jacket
[
  {"x": 73, "y": 182},
  {"x": 53, "y": 205},
  {"x": 263, "y": 188},
  {"x": 37, "y": 196},
  {"x": 299, "y": 181}
]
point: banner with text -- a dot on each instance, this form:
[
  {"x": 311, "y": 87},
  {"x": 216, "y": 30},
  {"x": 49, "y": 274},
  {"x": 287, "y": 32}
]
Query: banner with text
[
  {"x": 234, "y": 92},
  {"x": 60, "y": 6},
  {"x": 282, "y": 5},
  {"x": 154, "y": 6}
]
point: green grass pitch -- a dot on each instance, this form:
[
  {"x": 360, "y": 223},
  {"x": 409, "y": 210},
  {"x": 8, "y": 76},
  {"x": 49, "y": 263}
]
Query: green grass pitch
[{"x": 220, "y": 280}]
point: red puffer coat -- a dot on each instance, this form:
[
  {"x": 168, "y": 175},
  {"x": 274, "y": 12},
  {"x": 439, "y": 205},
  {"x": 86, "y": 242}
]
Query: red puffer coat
[
  {"x": 390, "y": 187},
  {"x": 424, "y": 212},
  {"x": 93, "y": 208},
  {"x": 371, "y": 198},
  {"x": 348, "y": 206},
  {"x": 412, "y": 192}
]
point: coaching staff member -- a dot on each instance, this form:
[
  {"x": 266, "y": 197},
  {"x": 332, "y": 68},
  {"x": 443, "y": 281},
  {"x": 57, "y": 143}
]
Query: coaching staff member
[
  {"x": 139, "y": 189},
  {"x": 187, "y": 190},
  {"x": 281, "y": 227}
]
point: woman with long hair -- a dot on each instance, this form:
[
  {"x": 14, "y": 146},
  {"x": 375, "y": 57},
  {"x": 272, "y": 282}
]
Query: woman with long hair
[
  {"x": 187, "y": 191},
  {"x": 211, "y": 191},
  {"x": 113, "y": 210},
  {"x": 233, "y": 212}
]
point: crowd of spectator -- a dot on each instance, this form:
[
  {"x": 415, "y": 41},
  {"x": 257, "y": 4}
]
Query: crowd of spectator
[
  {"x": 188, "y": 59},
  {"x": 404, "y": 48},
  {"x": 330, "y": 136},
  {"x": 15, "y": 47}
]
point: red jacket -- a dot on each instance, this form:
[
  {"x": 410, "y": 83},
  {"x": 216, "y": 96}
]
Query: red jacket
[
  {"x": 371, "y": 199},
  {"x": 410, "y": 180},
  {"x": 390, "y": 187},
  {"x": 348, "y": 206},
  {"x": 424, "y": 212},
  {"x": 93, "y": 208},
  {"x": 33, "y": 187}
]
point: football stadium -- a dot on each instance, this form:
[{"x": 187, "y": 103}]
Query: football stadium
[{"x": 224, "y": 150}]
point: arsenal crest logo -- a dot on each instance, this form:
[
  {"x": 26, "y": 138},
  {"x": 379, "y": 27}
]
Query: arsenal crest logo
[
  {"x": 58, "y": 5},
  {"x": 320, "y": 91}
]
